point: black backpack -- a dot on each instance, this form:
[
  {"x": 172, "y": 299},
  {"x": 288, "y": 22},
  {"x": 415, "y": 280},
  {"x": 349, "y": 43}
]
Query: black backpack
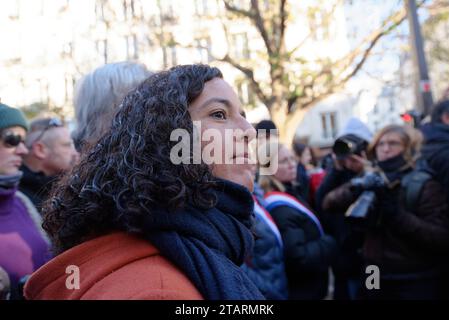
[{"x": 413, "y": 182}]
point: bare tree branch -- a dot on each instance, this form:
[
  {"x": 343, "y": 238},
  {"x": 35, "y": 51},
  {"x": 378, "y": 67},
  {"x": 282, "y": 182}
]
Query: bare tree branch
[
  {"x": 238, "y": 11},
  {"x": 249, "y": 73},
  {"x": 260, "y": 26},
  {"x": 387, "y": 26},
  {"x": 329, "y": 14}
]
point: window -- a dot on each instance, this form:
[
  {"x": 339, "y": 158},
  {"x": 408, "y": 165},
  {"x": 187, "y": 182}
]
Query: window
[
  {"x": 15, "y": 10},
  {"x": 131, "y": 47},
  {"x": 172, "y": 59},
  {"x": 102, "y": 49},
  {"x": 99, "y": 9},
  {"x": 69, "y": 83},
  {"x": 41, "y": 8},
  {"x": 167, "y": 13},
  {"x": 391, "y": 105},
  {"x": 318, "y": 24},
  {"x": 240, "y": 44},
  {"x": 329, "y": 125},
  {"x": 240, "y": 4},
  {"x": 128, "y": 9},
  {"x": 204, "y": 50},
  {"x": 245, "y": 93},
  {"x": 201, "y": 7}
]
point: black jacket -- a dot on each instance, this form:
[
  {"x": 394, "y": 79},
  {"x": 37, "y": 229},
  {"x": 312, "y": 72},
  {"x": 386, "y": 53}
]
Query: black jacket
[
  {"x": 303, "y": 180},
  {"x": 36, "y": 186},
  {"x": 436, "y": 151},
  {"x": 308, "y": 254},
  {"x": 266, "y": 266},
  {"x": 332, "y": 203},
  {"x": 410, "y": 242}
]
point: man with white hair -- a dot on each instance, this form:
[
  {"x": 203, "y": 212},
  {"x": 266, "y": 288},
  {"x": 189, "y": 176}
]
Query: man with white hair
[{"x": 51, "y": 153}]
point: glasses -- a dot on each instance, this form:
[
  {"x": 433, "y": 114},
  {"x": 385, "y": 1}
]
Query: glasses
[
  {"x": 12, "y": 140},
  {"x": 52, "y": 123},
  {"x": 391, "y": 144}
]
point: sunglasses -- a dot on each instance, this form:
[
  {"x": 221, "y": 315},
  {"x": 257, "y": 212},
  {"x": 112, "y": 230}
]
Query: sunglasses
[
  {"x": 52, "y": 123},
  {"x": 12, "y": 140}
]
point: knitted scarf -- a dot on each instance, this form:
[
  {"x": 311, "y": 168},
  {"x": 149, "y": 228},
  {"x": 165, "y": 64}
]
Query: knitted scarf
[{"x": 210, "y": 245}]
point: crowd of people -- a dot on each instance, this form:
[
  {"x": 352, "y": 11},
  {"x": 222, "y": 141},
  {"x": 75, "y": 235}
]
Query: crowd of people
[{"x": 109, "y": 199}]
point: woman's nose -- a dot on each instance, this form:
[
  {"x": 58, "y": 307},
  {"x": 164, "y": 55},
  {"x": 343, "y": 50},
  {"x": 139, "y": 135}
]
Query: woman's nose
[{"x": 249, "y": 133}]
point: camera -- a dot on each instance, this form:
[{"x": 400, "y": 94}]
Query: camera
[
  {"x": 347, "y": 145},
  {"x": 369, "y": 181},
  {"x": 360, "y": 211}
]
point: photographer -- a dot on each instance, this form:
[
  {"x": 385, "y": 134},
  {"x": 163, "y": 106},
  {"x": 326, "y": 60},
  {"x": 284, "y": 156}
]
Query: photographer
[
  {"x": 407, "y": 242},
  {"x": 333, "y": 198}
]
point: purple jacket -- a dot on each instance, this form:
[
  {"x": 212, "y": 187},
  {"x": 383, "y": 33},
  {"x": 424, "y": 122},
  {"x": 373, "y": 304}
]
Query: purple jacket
[{"x": 24, "y": 247}]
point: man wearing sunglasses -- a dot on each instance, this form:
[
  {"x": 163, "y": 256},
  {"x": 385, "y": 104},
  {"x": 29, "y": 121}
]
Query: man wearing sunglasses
[
  {"x": 24, "y": 246},
  {"x": 51, "y": 152}
]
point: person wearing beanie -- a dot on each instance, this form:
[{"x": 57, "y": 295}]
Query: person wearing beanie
[{"x": 24, "y": 246}]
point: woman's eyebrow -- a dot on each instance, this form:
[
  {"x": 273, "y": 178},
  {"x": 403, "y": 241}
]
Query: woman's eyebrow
[{"x": 225, "y": 102}]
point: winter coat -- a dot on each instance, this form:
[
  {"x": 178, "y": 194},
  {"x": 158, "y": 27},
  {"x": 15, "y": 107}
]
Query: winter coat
[
  {"x": 333, "y": 198},
  {"x": 117, "y": 266},
  {"x": 436, "y": 151},
  {"x": 308, "y": 252},
  {"x": 410, "y": 242},
  {"x": 207, "y": 246},
  {"x": 266, "y": 267},
  {"x": 36, "y": 186},
  {"x": 24, "y": 246}
]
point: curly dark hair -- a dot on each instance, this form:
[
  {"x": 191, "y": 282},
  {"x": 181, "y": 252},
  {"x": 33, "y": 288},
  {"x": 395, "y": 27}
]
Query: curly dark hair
[{"x": 129, "y": 172}]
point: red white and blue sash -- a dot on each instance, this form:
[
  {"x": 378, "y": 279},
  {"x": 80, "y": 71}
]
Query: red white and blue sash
[
  {"x": 263, "y": 214},
  {"x": 275, "y": 199}
]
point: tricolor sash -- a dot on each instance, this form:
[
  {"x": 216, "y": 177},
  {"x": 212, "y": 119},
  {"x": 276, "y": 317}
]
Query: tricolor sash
[
  {"x": 263, "y": 214},
  {"x": 275, "y": 199}
]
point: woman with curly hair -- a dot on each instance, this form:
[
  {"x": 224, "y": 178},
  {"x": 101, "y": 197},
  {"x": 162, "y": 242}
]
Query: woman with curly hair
[{"x": 130, "y": 223}]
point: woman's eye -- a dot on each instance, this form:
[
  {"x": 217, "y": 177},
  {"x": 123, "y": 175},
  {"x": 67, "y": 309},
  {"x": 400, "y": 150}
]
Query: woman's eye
[{"x": 220, "y": 115}]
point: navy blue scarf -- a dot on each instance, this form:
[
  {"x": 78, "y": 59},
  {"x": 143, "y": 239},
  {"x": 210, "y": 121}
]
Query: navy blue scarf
[
  {"x": 395, "y": 168},
  {"x": 209, "y": 246}
]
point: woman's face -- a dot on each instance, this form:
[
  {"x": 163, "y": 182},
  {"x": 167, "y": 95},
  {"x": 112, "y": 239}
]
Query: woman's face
[
  {"x": 306, "y": 157},
  {"x": 225, "y": 132},
  {"x": 11, "y": 156},
  {"x": 389, "y": 146},
  {"x": 286, "y": 166}
]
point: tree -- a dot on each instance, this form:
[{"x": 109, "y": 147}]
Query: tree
[
  {"x": 288, "y": 94},
  {"x": 435, "y": 32}
]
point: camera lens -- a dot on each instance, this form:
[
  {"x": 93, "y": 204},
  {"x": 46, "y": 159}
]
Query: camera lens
[{"x": 342, "y": 148}]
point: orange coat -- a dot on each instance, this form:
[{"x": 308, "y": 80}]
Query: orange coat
[{"x": 115, "y": 266}]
